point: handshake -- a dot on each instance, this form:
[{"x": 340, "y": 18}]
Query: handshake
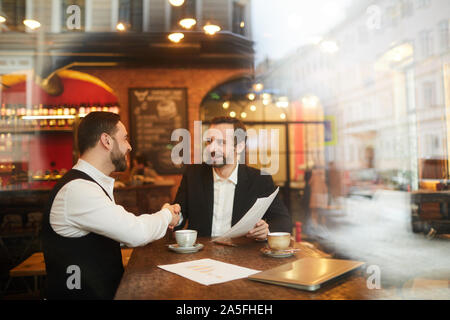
[{"x": 175, "y": 209}]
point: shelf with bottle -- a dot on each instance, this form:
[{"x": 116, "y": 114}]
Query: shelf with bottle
[{"x": 44, "y": 118}]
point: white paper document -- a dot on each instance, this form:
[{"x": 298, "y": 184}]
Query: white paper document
[
  {"x": 209, "y": 271},
  {"x": 248, "y": 221}
]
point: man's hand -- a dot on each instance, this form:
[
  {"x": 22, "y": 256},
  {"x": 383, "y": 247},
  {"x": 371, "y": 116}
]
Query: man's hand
[
  {"x": 260, "y": 231},
  {"x": 175, "y": 210}
]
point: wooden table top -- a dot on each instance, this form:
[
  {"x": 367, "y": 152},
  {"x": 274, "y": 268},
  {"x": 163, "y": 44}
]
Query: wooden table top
[{"x": 144, "y": 280}]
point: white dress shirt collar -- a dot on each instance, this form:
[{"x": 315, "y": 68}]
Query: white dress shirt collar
[
  {"x": 106, "y": 182},
  {"x": 233, "y": 176}
]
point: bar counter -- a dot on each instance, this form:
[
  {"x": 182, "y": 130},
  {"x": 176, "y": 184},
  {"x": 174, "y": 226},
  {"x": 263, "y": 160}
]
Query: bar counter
[{"x": 144, "y": 280}]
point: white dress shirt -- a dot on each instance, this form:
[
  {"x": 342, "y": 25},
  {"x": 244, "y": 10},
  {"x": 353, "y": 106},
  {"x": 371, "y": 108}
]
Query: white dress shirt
[
  {"x": 223, "y": 202},
  {"x": 81, "y": 207}
]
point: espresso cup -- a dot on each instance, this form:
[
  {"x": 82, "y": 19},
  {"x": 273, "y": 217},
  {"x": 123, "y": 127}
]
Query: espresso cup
[
  {"x": 279, "y": 241},
  {"x": 186, "y": 238}
]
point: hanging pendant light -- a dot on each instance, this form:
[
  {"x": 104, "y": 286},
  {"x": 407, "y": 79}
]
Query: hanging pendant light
[
  {"x": 176, "y": 37},
  {"x": 211, "y": 29},
  {"x": 176, "y": 3},
  {"x": 188, "y": 23}
]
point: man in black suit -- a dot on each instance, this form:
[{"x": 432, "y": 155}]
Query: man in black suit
[{"x": 215, "y": 195}]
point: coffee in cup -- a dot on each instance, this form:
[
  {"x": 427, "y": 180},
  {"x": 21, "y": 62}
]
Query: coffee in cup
[
  {"x": 279, "y": 241},
  {"x": 186, "y": 238}
]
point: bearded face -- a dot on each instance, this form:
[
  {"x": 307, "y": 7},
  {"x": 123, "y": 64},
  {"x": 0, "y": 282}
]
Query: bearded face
[{"x": 118, "y": 158}]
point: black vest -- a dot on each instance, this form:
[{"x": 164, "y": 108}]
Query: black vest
[{"x": 98, "y": 258}]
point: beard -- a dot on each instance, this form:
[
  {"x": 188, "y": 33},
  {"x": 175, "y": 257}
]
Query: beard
[
  {"x": 118, "y": 159},
  {"x": 220, "y": 161}
]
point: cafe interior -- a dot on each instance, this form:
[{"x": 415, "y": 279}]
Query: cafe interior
[{"x": 346, "y": 105}]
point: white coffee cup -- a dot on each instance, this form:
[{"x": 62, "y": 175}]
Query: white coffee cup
[
  {"x": 279, "y": 241},
  {"x": 186, "y": 238}
]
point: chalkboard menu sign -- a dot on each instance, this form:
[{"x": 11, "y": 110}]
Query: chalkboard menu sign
[{"x": 154, "y": 114}]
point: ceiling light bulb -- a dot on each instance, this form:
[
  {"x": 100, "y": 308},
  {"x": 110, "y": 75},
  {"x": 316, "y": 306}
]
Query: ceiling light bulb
[
  {"x": 232, "y": 114},
  {"x": 211, "y": 29},
  {"x": 120, "y": 27},
  {"x": 258, "y": 87},
  {"x": 253, "y": 108},
  {"x": 176, "y": 37},
  {"x": 176, "y": 3},
  {"x": 187, "y": 23},
  {"x": 32, "y": 24},
  {"x": 2, "y": 19}
]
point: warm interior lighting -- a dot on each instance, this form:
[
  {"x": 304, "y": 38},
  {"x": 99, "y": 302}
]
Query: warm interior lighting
[
  {"x": 244, "y": 115},
  {"x": 32, "y": 24},
  {"x": 251, "y": 96},
  {"x": 225, "y": 105},
  {"x": 253, "y": 108},
  {"x": 242, "y": 25},
  {"x": 187, "y": 23},
  {"x": 176, "y": 3},
  {"x": 283, "y": 116},
  {"x": 266, "y": 98},
  {"x": 120, "y": 26},
  {"x": 258, "y": 87},
  {"x": 176, "y": 37},
  {"x": 211, "y": 29},
  {"x": 2, "y": 19},
  {"x": 232, "y": 114}
]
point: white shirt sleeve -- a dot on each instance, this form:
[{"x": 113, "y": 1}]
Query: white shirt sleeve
[{"x": 89, "y": 209}]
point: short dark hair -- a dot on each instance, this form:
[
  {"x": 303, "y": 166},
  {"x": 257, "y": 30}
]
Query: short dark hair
[
  {"x": 237, "y": 124},
  {"x": 92, "y": 126}
]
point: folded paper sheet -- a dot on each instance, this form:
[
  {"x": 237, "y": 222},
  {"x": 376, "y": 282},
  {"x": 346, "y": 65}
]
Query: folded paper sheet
[
  {"x": 248, "y": 221},
  {"x": 208, "y": 271}
]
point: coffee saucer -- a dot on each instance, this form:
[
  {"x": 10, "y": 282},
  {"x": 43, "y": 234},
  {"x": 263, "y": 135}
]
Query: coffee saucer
[
  {"x": 175, "y": 247},
  {"x": 278, "y": 254}
]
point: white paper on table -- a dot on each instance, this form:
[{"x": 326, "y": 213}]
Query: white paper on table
[
  {"x": 248, "y": 221},
  {"x": 209, "y": 271}
]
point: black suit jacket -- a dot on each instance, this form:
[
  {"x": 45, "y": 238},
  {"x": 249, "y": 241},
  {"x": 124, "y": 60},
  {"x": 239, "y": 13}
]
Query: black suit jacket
[{"x": 196, "y": 198}]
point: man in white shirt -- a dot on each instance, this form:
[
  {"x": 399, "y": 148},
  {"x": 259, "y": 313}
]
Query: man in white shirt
[{"x": 83, "y": 227}]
